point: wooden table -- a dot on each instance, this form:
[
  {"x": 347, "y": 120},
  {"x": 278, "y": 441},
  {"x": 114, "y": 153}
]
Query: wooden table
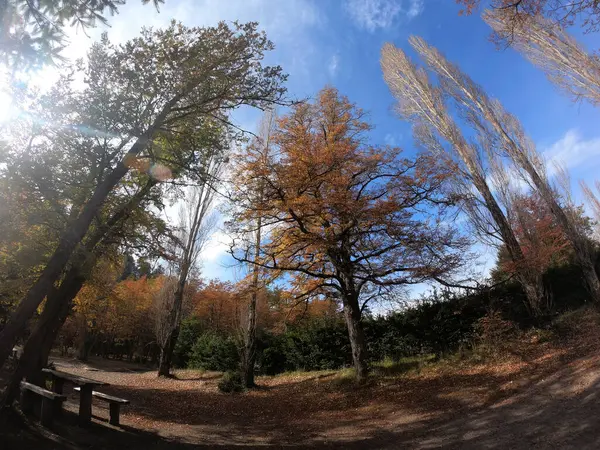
[{"x": 87, "y": 386}]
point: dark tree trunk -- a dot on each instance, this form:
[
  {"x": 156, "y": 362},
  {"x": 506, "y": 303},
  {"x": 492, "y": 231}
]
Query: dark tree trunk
[
  {"x": 56, "y": 265},
  {"x": 531, "y": 282},
  {"x": 583, "y": 252},
  {"x": 58, "y": 306},
  {"x": 37, "y": 348},
  {"x": 249, "y": 357},
  {"x": 83, "y": 352},
  {"x": 356, "y": 334},
  {"x": 166, "y": 354},
  {"x": 68, "y": 243}
]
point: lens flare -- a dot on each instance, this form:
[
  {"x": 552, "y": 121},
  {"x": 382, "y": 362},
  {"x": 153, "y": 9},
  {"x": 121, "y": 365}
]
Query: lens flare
[
  {"x": 160, "y": 172},
  {"x": 6, "y": 107}
]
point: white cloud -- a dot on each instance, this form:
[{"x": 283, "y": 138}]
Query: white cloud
[
  {"x": 415, "y": 8},
  {"x": 382, "y": 14},
  {"x": 216, "y": 247},
  {"x": 572, "y": 151},
  {"x": 334, "y": 64},
  {"x": 373, "y": 14},
  {"x": 392, "y": 139}
]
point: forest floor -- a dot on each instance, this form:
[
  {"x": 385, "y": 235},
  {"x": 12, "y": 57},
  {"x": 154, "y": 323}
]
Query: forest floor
[{"x": 541, "y": 395}]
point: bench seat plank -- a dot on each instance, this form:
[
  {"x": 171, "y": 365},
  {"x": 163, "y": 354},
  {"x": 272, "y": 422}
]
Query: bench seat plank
[
  {"x": 114, "y": 404},
  {"x": 41, "y": 391},
  {"x": 51, "y": 402},
  {"x": 106, "y": 397},
  {"x": 75, "y": 379}
]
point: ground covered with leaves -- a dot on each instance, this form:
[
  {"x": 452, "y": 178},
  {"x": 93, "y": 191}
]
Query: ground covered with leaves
[{"x": 540, "y": 392}]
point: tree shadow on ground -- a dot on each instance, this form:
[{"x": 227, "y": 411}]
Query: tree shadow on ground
[
  {"x": 21, "y": 433},
  {"x": 312, "y": 411},
  {"x": 553, "y": 405}
]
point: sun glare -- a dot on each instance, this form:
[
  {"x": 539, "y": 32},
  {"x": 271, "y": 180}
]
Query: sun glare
[{"x": 5, "y": 107}]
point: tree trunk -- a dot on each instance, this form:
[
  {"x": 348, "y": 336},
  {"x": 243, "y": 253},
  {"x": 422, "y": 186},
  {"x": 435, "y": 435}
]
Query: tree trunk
[
  {"x": 532, "y": 283},
  {"x": 166, "y": 354},
  {"x": 591, "y": 278},
  {"x": 583, "y": 253},
  {"x": 537, "y": 297},
  {"x": 356, "y": 334},
  {"x": 249, "y": 359},
  {"x": 69, "y": 242},
  {"x": 37, "y": 348},
  {"x": 250, "y": 342},
  {"x": 187, "y": 259},
  {"x": 56, "y": 265},
  {"x": 84, "y": 347}
]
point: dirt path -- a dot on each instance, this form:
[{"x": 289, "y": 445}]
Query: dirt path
[{"x": 547, "y": 399}]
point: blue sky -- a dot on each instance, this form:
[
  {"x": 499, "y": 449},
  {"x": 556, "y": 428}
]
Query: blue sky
[{"x": 337, "y": 42}]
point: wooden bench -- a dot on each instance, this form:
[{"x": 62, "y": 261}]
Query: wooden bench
[
  {"x": 51, "y": 402},
  {"x": 86, "y": 385},
  {"x": 114, "y": 404}
]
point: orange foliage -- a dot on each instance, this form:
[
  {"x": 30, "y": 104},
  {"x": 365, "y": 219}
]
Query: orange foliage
[
  {"x": 543, "y": 242},
  {"x": 218, "y": 306},
  {"x": 108, "y": 312},
  {"x": 342, "y": 214}
]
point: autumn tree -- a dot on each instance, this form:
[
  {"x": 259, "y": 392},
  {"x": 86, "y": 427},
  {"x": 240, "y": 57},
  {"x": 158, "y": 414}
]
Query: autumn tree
[
  {"x": 46, "y": 176},
  {"x": 151, "y": 87},
  {"x": 425, "y": 105},
  {"x": 252, "y": 190},
  {"x": 543, "y": 241},
  {"x": 343, "y": 216},
  {"x": 218, "y": 307},
  {"x": 194, "y": 231},
  {"x": 507, "y": 137},
  {"x": 129, "y": 225}
]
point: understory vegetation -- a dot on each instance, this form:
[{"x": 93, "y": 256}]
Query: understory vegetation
[{"x": 442, "y": 324}]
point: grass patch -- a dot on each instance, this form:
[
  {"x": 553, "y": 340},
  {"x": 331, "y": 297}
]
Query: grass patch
[
  {"x": 390, "y": 367},
  {"x": 344, "y": 378}
]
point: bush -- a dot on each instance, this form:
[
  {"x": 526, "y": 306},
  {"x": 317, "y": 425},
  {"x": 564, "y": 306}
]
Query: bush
[
  {"x": 232, "y": 381},
  {"x": 494, "y": 332},
  {"x": 191, "y": 330},
  {"x": 577, "y": 322},
  {"x": 273, "y": 361},
  {"x": 441, "y": 324},
  {"x": 214, "y": 352}
]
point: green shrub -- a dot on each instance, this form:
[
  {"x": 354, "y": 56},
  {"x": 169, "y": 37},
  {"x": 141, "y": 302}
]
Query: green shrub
[
  {"x": 214, "y": 352},
  {"x": 191, "y": 330},
  {"x": 273, "y": 361},
  {"x": 231, "y": 381},
  {"x": 441, "y": 324}
]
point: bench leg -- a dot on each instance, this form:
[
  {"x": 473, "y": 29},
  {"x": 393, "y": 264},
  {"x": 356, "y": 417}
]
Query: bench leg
[
  {"x": 48, "y": 408},
  {"x": 85, "y": 405},
  {"x": 26, "y": 400},
  {"x": 57, "y": 385},
  {"x": 114, "y": 413},
  {"x": 58, "y": 408}
]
